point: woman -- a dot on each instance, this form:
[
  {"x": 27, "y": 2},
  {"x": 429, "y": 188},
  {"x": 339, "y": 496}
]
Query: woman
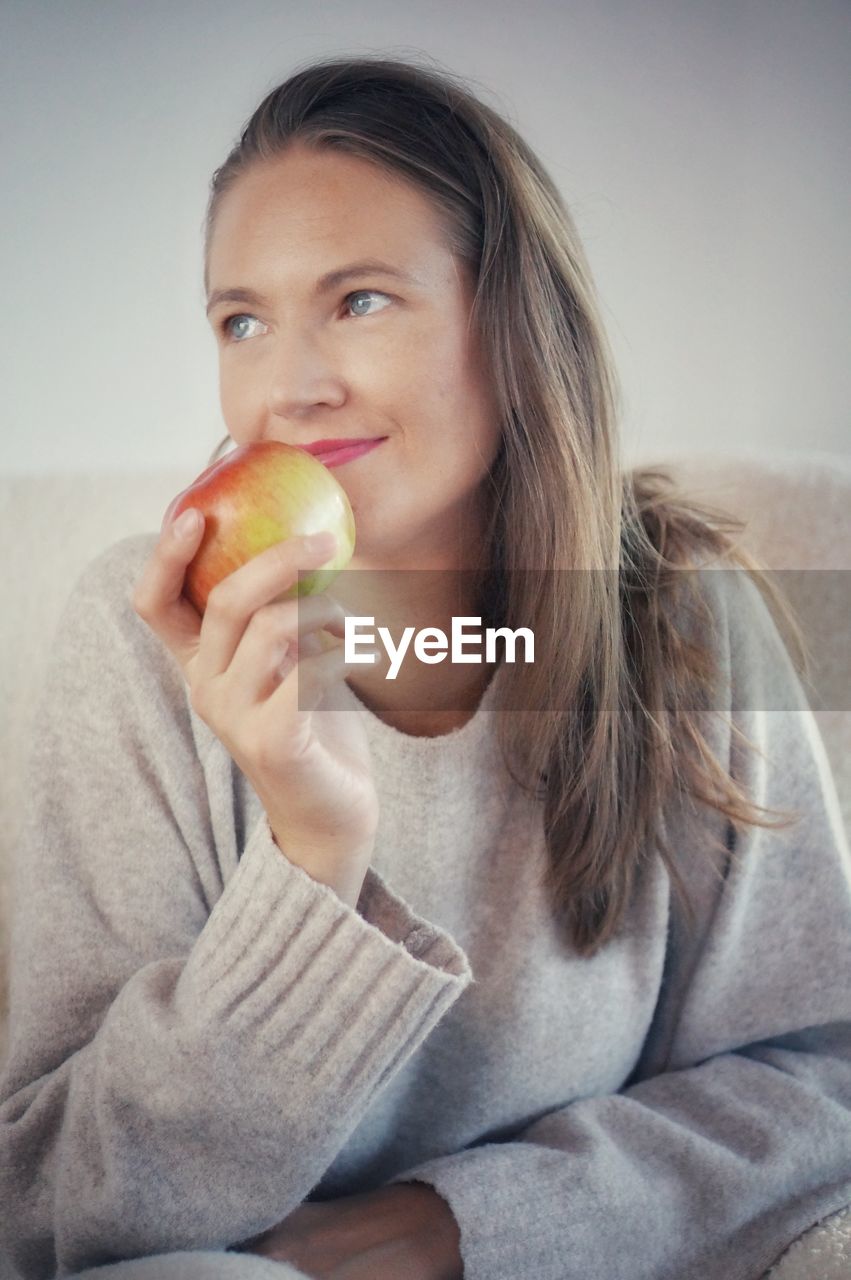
[{"x": 518, "y": 973}]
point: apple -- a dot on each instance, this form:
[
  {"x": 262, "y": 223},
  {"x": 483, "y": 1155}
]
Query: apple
[{"x": 260, "y": 494}]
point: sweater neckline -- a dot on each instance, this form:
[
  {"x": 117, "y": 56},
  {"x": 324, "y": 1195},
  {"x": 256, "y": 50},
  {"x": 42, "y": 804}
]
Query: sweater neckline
[{"x": 457, "y": 741}]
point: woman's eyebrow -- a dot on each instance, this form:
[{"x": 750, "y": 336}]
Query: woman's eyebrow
[{"x": 331, "y": 280}]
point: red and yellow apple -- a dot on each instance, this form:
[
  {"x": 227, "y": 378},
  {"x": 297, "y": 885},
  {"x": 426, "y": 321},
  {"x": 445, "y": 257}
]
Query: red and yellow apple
[{"x": 255, "y": 496}]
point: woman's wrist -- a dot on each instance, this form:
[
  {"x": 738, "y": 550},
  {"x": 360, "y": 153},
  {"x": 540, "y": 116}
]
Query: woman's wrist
[{"x": 344, "y": 871}]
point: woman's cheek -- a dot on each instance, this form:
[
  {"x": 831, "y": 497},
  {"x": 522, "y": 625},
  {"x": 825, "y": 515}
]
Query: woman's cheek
[{"x": 240, "y": 400}]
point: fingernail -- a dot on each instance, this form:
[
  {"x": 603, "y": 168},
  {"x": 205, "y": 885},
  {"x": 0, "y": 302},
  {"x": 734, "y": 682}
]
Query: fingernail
[
  {"x": 186, "y": 524},
  {"x": 320, "y": 542}
]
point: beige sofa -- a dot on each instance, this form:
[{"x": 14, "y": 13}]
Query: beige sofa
[{"x": 798, "y": 507}]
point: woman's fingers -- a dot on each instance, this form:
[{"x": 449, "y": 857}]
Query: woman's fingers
[
  {"x": 157, "y": 595},
  {"x": 262, "y": 580},
  {"x": 275, "y": 639},
  {"x": 304, "y": 687}
]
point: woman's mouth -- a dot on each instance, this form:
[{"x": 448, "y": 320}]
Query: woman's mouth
[{"x": 333, "y": 453}]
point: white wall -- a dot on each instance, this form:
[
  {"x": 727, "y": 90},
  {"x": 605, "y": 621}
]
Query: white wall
[{"x": 702, "y": 145}]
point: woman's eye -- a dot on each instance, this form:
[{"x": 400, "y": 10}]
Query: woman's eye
[
  {"x": 354, "y": 301},
  {"x": 238, "y": 328},
  {"x": 241, "y": 327}
]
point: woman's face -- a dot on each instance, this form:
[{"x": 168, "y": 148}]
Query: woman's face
[{"x": 382, "y": 350}]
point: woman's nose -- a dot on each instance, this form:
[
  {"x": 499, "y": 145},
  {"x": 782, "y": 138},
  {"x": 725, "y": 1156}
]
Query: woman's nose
[{"x": 302, "y": 376}]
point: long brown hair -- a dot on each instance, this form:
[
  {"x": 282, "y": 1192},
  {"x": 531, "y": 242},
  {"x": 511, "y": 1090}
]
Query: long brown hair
[{"x": 618, "y": 734}]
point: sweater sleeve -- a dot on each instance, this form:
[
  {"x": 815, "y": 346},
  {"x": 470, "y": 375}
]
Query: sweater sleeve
[
  {"x": 733, "y": 1134},
  {"x": 188, "y": 1050}
]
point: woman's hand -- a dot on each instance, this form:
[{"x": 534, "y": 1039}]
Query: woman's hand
[
  {"x": 403, "y": 1232},
  {"x": 257, "y": 671}
]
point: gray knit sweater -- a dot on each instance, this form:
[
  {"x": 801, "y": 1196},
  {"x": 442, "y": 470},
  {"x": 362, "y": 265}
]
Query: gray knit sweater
[{"x": 202, "y": 1035}]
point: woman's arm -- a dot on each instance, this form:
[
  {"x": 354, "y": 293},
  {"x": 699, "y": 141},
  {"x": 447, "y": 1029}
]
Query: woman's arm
[
  {"x": 733, "y": 1133},
  {"x": 190, "y": 1044}
]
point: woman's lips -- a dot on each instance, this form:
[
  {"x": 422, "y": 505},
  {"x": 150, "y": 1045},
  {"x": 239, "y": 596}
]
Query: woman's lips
[{"x": 336, "y": 456}]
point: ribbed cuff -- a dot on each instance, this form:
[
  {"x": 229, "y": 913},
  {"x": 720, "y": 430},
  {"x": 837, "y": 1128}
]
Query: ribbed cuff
[
  {"x": 335, "y": 997},
  {"x": 391, "y": 914}
]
